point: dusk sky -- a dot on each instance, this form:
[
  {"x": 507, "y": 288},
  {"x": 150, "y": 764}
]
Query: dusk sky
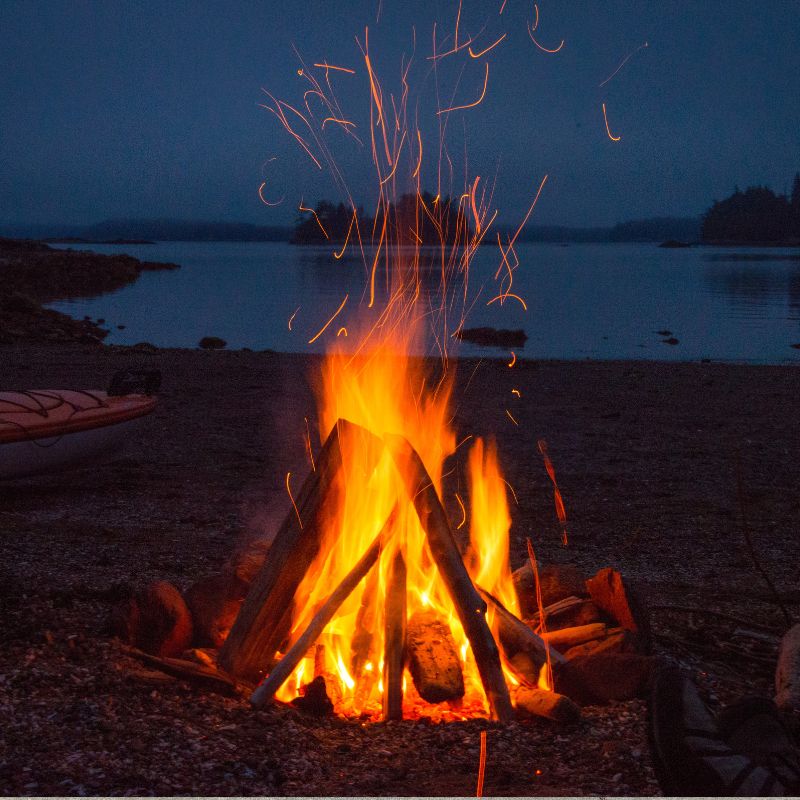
[{"x": 151, "y": 109}]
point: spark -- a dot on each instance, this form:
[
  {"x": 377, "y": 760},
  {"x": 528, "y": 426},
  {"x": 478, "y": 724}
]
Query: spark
[
  {"x": 308, "y": 445},
  {"x": 513, "y": 359},
  {"x": 481, "y": 766},
  {"x": 469, "y": 105},
  {"x": 516, "y": 392},
  {"x": 266, "y": 202},
  {"x": 289, "y": 490},
  {"x": 341, "y": 331},
  {"x": 342, "y": 122},
  {"x": 532, "y": 28},
  {"x": 419, "y": 162},
  {"x": 624, "y": 62},
  {"x": 542, "y": 617},
  {"x": 608, "y": 130},
  {"x": 301, "y": 207},
  {"x": 542, "y": 47},
  {"x": 502, "y": 297},
  {"x": 502, "y": 7},
  {"x": 325, "y": 326},
  {"x": 490, "y": 47},
  {"x": 326, "y": 66},
  {"x": 511, "y": 489},
  {"x": 338, "y": 255},
  {"x": 463, "y": 513},
  {"x": 512, "y": 418},
  {"x": 291, "y": 319},
  {"x": 557, "y": 499}
]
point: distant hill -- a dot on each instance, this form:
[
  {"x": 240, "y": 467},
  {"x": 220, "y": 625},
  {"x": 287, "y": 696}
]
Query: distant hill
[
  {"x": 658, "y": 229},
  {"x": 162, "y": 230}
]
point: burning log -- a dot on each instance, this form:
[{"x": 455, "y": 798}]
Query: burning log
[
  {"x": 516, "y": 637},
  {"x": 571, "y": 637},
  {"x": 433, "y": 658},
  {"x": 470, "y": 607},
  {"x": 394, "y": 639},
  {"x": 556, "y": 582},
  {"x": 265, "y": 617},
  {"x": 284, "y": 668},
  {"x": 530, "y": 700}
]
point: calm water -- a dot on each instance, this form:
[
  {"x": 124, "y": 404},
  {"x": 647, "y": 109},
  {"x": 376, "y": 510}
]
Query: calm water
[{"x": 602, "y": 301}]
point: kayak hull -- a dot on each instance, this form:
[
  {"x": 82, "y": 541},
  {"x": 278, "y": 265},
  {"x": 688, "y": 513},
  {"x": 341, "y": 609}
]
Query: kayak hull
[
  {"x": 45, "y": 430},
  {"x": 21, "y": 459}
]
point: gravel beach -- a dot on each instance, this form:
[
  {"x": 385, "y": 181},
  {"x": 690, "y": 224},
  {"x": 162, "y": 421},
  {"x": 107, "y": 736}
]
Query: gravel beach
[{"x": 646, "y": 458}]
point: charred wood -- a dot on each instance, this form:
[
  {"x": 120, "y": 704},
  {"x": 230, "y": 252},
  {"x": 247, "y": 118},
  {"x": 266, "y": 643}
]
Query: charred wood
[
  {"x": 470, "y": 607},
  {"x": 433, "y": 658}
]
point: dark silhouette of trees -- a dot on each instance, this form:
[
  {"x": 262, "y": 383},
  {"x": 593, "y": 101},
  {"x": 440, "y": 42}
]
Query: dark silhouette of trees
[
  {"x": 410, "y": 220},
  {"x": 754, "y": 215}
]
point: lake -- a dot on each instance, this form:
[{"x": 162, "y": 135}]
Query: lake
[{"x": 599, "y": 301}]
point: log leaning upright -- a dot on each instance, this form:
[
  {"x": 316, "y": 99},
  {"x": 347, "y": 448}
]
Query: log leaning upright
[
  {"x": 265, "y": 617},
  {"x": 470, "y": 607}
]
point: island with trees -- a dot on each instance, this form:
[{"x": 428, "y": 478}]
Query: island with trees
[{"x": 755, "y": 216}]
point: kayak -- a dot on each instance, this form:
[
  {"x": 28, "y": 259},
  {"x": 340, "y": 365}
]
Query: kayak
[{"x": 43, "y": 430}]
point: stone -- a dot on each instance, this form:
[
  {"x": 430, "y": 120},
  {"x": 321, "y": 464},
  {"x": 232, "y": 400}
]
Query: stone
[
  {"x": 164, "y": 623},
  {"x": 247, "y": 560},
  {"x": 787, "y": 673},
  {"x": 313, "y": 699},
  {"x": 605, "y": 677},
  {"x": 612, "y": 595},
  {"x": 557, "y": 581},
  {"x": 214, "y": 604}
]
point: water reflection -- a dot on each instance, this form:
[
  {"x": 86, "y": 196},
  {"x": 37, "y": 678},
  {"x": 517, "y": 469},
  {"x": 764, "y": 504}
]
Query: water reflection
[{"x": 749, "y": 287}]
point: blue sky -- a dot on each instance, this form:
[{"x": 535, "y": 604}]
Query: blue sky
[{"x": 145, "y": 109}]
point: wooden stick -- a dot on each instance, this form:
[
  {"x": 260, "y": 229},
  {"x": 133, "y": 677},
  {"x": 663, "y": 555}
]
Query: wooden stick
[
  {"x": 516, "y": 636},
  {"x": 266, "y": 615},
  {"x": 284, "y": 668},
  {"x": 570, "y": 637},
  {"x": 205, "y": 677},
  {"x": 470, "y": 607},
  {"x": 394, "y": 639}
]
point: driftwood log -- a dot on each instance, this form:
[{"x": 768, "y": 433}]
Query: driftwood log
[
  {"x": 284, "y": 668},
  {"x": 394, "y": 639},
  {"x": 433, "y": 658},
  {"x": 571, "y": 637},
  {"x": 517, "y": 637},
  {"x": 266, "y": 615},
  {"x": 205, "y": 677},
  {"x": 470, "y": 607},
  {"x": 530, "y": 700}
]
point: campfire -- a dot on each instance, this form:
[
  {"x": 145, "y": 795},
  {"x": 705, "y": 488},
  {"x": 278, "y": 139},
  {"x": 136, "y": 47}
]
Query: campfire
[{"x": 372, "y": 601}]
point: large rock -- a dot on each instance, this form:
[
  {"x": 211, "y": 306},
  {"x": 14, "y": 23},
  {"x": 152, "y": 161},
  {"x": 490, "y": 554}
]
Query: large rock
[
  {"x": 247, "y": 561},
  {"x": 612, "y": 595},
  {"x": 156, "y": 620},
  {"x": 557, "y": 581},
  {"x": 214, "y": 604},
  {"x": 787, "y": 673},
  {"x": 606, "y": 677}
]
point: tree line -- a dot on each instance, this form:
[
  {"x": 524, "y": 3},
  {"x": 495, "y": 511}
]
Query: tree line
[
  {"x": 755, "y": 215},
  {"x": 411, "y": 220}
]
